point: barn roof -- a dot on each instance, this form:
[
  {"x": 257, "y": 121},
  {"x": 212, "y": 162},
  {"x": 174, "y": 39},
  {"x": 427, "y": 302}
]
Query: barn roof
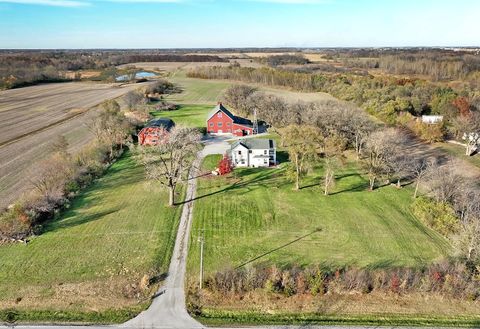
[
  {"x": 255, "y": 143},
  {"x": 165, "y": 123},
  {"x": 237, "y": 120}
]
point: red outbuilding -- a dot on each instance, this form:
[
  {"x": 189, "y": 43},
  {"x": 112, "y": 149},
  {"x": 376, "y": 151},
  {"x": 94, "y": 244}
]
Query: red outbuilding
[
  {"x": 155, "y": 131},
  {"x": 222, "y": 121}
]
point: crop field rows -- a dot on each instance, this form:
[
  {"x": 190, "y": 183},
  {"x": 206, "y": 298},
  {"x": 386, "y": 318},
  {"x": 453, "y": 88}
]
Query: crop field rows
[
  {"x": 32, "y": 117},
  {"x": 29, "y": 109}
]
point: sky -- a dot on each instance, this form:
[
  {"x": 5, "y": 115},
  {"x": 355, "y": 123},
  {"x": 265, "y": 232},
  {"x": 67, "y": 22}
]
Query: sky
[{"x": 237, "y": 23}]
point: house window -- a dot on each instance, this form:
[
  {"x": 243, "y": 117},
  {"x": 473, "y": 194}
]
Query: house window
[
  {"x": 229, "y": 124},
  {"x": 265, "y": 161},
  {"x": 211, "y": 124},
  {"x": 243, "y": 162},
  {"x": 219, "y": 114},
  {"x": 239, "y": 152},
  {"x": 219, "y": 124},
  {"x": 249, "y": 151},
  {"x": 265, "y": 152}
]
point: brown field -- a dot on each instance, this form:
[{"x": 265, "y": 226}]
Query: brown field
[
  {"x": 30, "y": 109},
  {"x": 169, "y": 67},
  {"x": 32, "y": 117}
]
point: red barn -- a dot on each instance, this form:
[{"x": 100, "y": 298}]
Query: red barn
[
  {"x": 155, "y": 131},
  {"x": 222, "y": 121}
]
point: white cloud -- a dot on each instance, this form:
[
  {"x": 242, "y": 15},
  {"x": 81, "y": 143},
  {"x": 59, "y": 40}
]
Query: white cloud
[{"x": 57, "y": 3}]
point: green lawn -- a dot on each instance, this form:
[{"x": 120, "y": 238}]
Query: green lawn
[
  {"x": 188, "y": 115},
  {"x": 92, "y": 258},
  {"x": 255, "y": 211}
]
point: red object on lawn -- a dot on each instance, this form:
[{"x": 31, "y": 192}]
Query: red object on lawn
[{"x": 225, "y": 166}]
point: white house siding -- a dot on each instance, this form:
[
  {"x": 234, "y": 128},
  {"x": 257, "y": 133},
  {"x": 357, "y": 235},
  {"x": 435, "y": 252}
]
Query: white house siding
[
  {"x": 259, "y": 158},
  {"x": 243, "y": 157},
  {"x": 240, "y": 156}
]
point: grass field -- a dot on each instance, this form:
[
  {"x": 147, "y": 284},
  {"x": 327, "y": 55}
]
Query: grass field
[
  {"x": 255, "y": 211},
  {"x": 94, "y": 256},
  {"x": 204, "y": 91},
  {"x": 187, "y": 115},
  {"x": 197, "y": 91}
]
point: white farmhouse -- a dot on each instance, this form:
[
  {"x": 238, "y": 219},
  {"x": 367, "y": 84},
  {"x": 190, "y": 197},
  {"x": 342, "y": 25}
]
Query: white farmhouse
[{"x": 253, "y": 152}]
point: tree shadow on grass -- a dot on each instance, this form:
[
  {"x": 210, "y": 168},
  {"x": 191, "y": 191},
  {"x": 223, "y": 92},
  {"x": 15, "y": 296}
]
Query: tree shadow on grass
[
  {"x": 262, "y": 177},
  {"x": 75, "y": 219},
  {"x": 278, "y": 248}
]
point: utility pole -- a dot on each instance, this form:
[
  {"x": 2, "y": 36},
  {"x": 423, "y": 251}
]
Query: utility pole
[
  {"x": 255, "y": 122},
  {"x": 201, "y": 239}
]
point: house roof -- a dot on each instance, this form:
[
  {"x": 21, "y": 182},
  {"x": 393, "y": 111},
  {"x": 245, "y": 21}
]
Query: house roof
[
  {"x": 237, "y": 120},
  {"x": 165, "y": 123},
  {"x": 255, "y": 143}
]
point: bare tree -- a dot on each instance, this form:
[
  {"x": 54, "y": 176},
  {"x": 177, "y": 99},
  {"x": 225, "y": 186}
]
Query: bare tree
[
  {"x": 400, "y": 166},
  {"x": 445, "y": 183},
  {"x": 420, "y": 170},
  {"x": 133, "y": 99},
  {"x": 467, "y": 239},
  {"x": 110, "y": 128},
  {"x": 329, "y": 179},
  {"x": 239, "y": 97},
  {"x": 360, "y": 127},
  {"x": 168, "y": 163},
  {"x": 49, "y": 182},
  {"x": 303, "y": 144},
  {"x": 381, "y": 148},
  {"x": 271, "y": 109},
  {"x": 333, "y": 146}
]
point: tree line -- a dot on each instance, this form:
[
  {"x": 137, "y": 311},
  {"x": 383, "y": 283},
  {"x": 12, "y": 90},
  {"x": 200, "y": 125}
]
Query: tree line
[
  {"x": 437, "y": 67},
  {"x": 23, "y": 68},
  {"x": 393, "y": 100}
]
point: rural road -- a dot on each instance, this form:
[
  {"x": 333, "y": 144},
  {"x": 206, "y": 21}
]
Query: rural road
[{"x": 168, "y": 306}]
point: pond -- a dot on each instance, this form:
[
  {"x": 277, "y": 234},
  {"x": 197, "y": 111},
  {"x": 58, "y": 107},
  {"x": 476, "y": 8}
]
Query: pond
[{"x": 138, "y": 75}]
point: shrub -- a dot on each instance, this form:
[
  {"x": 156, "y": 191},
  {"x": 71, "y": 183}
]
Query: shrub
[
  {"x": 429, "y": 132},
  {"x": 225, "y": 166},
  {"x": 438, "y": 215},
  {"x": 15, "y": 223},
  {"x": 315, "y": 279}
]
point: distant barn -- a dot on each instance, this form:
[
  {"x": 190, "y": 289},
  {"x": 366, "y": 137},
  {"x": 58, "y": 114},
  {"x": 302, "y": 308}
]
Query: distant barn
[
  {"x": 222, "y": 121},
  {"x": 155, "y": 131}
]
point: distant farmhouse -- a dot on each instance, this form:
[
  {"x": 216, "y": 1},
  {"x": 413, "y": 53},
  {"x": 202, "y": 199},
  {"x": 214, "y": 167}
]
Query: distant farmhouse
[
  {"x": 432, "y": 119},
  {"x": 155, "y": 131},
  {"x": 253, "y": 153},
  {"x": 222, "y": 121}
]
